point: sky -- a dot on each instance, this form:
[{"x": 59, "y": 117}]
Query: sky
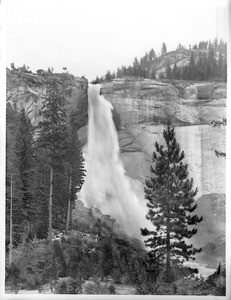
[{"x": 90, "y": 37}]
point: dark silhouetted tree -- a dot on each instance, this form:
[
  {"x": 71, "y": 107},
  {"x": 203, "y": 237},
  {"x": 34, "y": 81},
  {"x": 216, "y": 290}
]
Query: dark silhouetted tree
[
  {"x": 53, "y": 135},
  {"x": 163, "y": 49},
  {"x": 168, "y": 72},
  {"x": 25, "y": 207},
  {"x": 170, "y": 197},
  {"x": 76, "y": 169}
]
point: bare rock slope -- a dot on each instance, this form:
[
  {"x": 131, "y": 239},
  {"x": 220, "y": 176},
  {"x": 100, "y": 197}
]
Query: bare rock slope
[{"x": 26, "y": 90}]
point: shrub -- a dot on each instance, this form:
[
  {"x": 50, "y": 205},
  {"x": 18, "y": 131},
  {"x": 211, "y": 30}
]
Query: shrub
[
  {"x": 193, "y": 286},
  {"x": 36, "y": 263},
  {"x": 68, "y": 286},
  {"x": 13, "y": 278},
  {"x": 96, "y": 288}
]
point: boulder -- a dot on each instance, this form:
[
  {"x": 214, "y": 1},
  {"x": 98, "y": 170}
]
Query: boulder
[
  {"x": 220, "y": 91},
  {"x": 204, "y": 91},
  {"x": 85, "y": 218}
]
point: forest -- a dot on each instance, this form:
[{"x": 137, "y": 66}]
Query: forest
[
  {"x": 46, "y": 252},
  {"x": 208, "y": 61}
]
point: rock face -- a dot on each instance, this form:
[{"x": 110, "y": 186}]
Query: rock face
[
  {"x": 181, "y": 57},
  {"x": 144, "y": 107},
  {"x": 181, "y": 102},
  {"x": 198, "y": 142},
  {"x": 26, "y": 90},
  {"x": 211, "y": 231},
  {"x": 87, "y": 218}
]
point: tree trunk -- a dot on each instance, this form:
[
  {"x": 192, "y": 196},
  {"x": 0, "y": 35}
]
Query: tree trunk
[
  {"x": 168, "y": 265},
  {"x": 11, "y": 220},
  {"x": 50, "y": 204},
  {"x": 69, "y": 206}
]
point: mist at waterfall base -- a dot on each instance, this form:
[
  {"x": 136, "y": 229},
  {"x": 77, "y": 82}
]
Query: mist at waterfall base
[{"x": 106, "y": 185}]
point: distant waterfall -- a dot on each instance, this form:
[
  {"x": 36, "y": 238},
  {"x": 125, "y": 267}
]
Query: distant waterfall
[{"x": 106, "y": 186}]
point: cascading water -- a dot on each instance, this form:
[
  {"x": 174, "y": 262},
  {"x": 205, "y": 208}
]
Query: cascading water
[{"x": 106, "y": 186}]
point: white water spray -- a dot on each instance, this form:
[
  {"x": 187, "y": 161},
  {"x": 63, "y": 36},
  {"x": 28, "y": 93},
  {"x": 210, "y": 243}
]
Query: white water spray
[{"x": 106, "y": 186}]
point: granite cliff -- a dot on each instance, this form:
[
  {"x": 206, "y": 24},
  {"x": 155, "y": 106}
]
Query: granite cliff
[
  {"x": 144, "y": 107},
  {"x": 26, "y": 90}
]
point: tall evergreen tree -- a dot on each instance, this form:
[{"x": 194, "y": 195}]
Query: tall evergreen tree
[
  {"x": 53, "y": 134},
  {"x": 170, "y": 198},
  {"x": 152, "y": 74},
  {"x": 135, "y": 71},
  {"x": 163, "y": 49},
  {"x": 25, "y": 208},
  {"x": 168, "y": 72},
  {"x": 151, "y": 56},
  {"x": 76, "y": 169},
  {"x": 12, "y": 235},
  {"x": 192, "y": 67},
  {"x": 108, "y": 76}
]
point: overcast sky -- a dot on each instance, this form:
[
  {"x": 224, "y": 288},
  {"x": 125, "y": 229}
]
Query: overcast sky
[{"x": 92, "y": 36}]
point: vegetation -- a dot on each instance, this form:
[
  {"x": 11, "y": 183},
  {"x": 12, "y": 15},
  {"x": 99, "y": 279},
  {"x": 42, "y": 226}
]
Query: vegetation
[
  {"x": 45, "y": 170},
  {"x": 170, "y": 198},
  {"x": 41, "y": 163},
  {"x": 208, "y": 61},
  {"x": 219, "y": 124}
]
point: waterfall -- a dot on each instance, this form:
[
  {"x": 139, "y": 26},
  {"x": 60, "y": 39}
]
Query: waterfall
[{"x": 106, "y": 186}]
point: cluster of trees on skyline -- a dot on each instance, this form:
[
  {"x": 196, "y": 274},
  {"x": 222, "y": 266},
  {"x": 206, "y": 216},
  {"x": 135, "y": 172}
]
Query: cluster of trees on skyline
[{"x": 208, "y": 61}]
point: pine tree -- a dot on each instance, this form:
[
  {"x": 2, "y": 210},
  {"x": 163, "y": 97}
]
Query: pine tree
[
  {"x": 119, "y": 73},
  {"x": 11, "y": 128},
  {"x": 42, "y": 168},
  {"x": 25, "y": 207},
  {"x": 151, "y": 56},
  {"x": 168, "y": 72},
  {"x": 220, "y": 65},
  {"x": 135, "y": 69},
  {"x": 108, "y": 76},
  {"x": 53, "y": 135},
  {"x": 153, "y": 73},
  {"x": 163, "y": 49},
  {"x": 76, "y": 168},
  {"x": 192, "y": 67},
  {"x": 170, "y": 198}
]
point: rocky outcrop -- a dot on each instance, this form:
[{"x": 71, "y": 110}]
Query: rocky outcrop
[
  {"x": 88, "y": 218},
  {"x": 145, "y": 105},
  {"x": 183, "y": 103},
  {"x": 26, "y": 90},
  {"x": 212, "y": 229},
  {"x": 181, "y": 57},
  {"x": 198, "y": 142}
]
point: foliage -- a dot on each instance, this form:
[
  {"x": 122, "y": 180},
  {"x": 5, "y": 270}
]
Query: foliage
[
  {"x": 37, "y": 263},
  {"x": 96, "y": 288},
  {"x": 52, "y": 127},
  {"x": 186, "y": 282},
  {"x": 208, "y": 61},
  {"x": 24, "y": 205},
  {"x": 163, "y": 49},
  {"x": 170, "y": 197},
  {"x": 68, "y": 286},
  {"x": 13, "y": 278},
  {"x": 20, "y": 169},
  {"x": 219, "y": 124}
]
